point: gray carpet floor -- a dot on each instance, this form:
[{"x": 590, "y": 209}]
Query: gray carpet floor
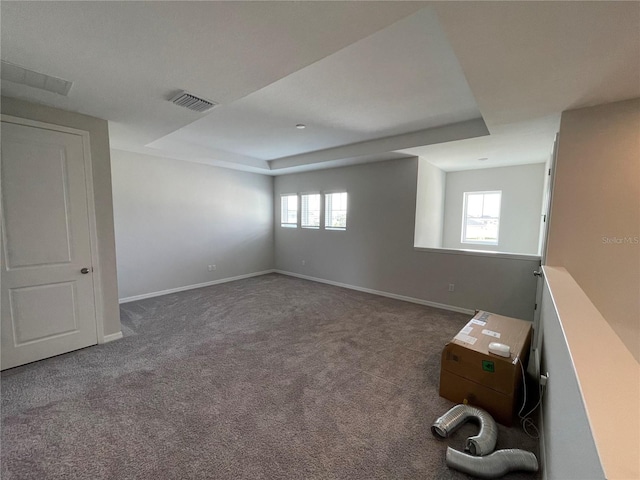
[{"x": 270, "y": 377}]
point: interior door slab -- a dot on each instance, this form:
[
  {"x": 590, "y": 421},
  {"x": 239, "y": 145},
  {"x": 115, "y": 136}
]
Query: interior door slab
[{"x": 48, "y": 305}]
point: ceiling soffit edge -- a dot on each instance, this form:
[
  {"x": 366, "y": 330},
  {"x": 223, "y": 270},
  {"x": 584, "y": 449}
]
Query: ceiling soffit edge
[{"x": 447, "y": 133}]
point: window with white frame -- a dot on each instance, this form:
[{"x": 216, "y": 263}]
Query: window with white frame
[
  {"x": 481, "y": 217},
  {"x": 335, "y": 211},
  {"x": 310, "y": 210},
  {"x": 289, "y": 211}
]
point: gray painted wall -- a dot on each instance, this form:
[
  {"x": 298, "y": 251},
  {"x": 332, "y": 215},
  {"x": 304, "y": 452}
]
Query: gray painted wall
[
  {"x": 100, "y": 164},
  {"x": 522, "y": 191},
  {"x": 569, "y": 449},
  {"x": 429, "y": 205},
  {"x": 174, "y": 218},
  {"x": 376, "y": 251}
]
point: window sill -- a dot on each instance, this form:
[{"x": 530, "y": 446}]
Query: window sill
[{"x": 472, "y": 242}]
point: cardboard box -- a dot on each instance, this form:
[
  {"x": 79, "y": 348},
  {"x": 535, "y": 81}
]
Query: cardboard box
[{"x": 468, "y": 372}]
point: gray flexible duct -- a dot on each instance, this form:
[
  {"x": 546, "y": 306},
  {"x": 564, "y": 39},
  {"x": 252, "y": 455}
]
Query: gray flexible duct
[
  {"x": 496, "y": 465},
  {"x": 481, "y": 444}
]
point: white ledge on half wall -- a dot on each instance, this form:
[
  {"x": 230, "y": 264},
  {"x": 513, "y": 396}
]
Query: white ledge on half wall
[
  {"x": 478, "y": 253},
  {"x": 607, "y": 373}
]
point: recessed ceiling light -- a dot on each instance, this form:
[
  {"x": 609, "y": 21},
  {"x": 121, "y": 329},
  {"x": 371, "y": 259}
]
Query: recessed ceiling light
[
  {"x": 483, "y": 159},
  {"x": 301, "y": 126}
]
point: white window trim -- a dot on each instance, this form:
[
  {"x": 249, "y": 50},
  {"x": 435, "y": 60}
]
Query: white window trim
[
  {"x": 324, "y": 211},
  {"x": 464, "y": 219},
  {"x": 321, "y": 215},
  {"x": 290, "y": 225}
]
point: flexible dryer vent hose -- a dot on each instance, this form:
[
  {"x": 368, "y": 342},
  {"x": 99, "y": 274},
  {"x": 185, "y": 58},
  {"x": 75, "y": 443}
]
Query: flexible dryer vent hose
[
  {"x": 496, "y": 465},
  {"x": 481, "y": 444}
]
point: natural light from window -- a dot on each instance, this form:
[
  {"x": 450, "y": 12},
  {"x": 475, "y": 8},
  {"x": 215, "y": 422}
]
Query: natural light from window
[
  {"x": 289, "y": 211},
  {"x": 310, "y": 210},
  {"x": 335, "y": 211},
  {"x": 481, "y": 217}
]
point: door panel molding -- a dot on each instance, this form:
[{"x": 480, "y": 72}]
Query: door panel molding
[
  {"x": 22, "y": 338},
  {"x": 25, "y": 156},
  {"x": 91, "y": 213}
]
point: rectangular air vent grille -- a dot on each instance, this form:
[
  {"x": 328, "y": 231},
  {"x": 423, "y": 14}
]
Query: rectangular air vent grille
[
  {"x": 17, "y": 74},
  {"x": 197, "y": 104}
]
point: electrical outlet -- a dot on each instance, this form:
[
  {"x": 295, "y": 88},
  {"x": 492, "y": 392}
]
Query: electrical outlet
[
  {"x": 211, "y": 268},
  {"x": 304, "y": 262},
  {"x": 452, "y": 287},
  {"x": 544, "y": 379}
]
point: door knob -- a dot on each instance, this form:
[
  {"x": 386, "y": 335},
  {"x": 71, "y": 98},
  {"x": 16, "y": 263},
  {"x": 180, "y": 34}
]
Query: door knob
[
  {"x": 537, "y": 273},
  {"x": 84, "y": 270}
]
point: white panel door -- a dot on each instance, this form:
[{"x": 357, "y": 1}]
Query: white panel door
[{"x": 48, "y": 305}]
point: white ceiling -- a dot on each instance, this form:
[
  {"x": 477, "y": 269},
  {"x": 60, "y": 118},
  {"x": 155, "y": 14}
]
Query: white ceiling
[
  {"x": 509, "y": 144},
  {"x": 371, "y": 89},
  {"x": 371, "y": 80}
]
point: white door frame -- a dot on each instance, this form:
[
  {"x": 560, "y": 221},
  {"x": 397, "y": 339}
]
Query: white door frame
[
  {"x": 536, "y": 341},
  {"x": 91, "y": 209}
]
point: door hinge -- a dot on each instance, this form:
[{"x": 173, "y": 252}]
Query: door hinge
[
  {"x": 549, "y": 173},
  {"x": 535, "y": 307}
]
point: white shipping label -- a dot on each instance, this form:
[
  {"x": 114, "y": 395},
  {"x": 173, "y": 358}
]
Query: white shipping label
[
  {"x": 466, "y": 338},
  {"x": 491, "y": 333},
  {"x": 466, "y": 330},
  {"x": 478, "y": 322}
]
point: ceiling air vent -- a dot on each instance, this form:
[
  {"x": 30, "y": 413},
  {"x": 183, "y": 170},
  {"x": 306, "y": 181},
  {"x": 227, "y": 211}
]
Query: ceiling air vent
[
  {"x": 197, "y": 104},
  {"x": 17, "y": 74}
]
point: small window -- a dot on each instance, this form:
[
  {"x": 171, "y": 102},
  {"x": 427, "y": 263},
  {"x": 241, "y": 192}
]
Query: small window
[
  {"x": 289, "y": 211},
  {"x": 481, "y": 217},
  {"x": 335, "y": 211},
  {"x": 310, "y": 211}
]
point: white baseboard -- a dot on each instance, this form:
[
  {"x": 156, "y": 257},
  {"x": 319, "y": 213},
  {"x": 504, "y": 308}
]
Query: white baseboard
[
  {"x": 404, "y": 298},
  {"x": 111, "y": 337},
  {"x": 191, "y": 287}
]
